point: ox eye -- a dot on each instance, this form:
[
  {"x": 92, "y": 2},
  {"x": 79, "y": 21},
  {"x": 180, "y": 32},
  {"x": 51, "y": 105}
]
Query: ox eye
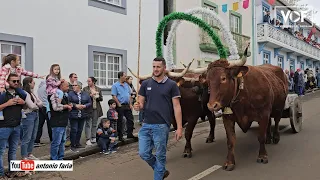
[{"x": 223, "y": 79}]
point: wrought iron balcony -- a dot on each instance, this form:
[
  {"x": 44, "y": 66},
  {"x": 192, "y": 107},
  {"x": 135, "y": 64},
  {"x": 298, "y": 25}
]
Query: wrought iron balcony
[
  {"x": 206, "y": 44},
  {"x": 281, "y": 38}
]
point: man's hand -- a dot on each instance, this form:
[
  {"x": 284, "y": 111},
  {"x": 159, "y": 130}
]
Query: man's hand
[
  {"x": 20, "y": 101},
  {"x": 42, "y": 77},
  {"x": 11, "y": 102},
  {"x": 83, "y": 106},
  {"x": 79, "y": 106},
  {"x": 178, "y": 134},
  {"x": 136, "y": 106}
]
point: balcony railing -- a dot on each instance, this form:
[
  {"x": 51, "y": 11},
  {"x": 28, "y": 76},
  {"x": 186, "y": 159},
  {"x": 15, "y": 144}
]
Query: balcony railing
[
  {"x": 269, "y": 33},
  {"x": 207, "y": 45}
]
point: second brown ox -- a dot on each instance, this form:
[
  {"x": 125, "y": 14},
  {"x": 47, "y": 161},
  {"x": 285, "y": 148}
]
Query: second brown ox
[{"x": 247, "y": 94}]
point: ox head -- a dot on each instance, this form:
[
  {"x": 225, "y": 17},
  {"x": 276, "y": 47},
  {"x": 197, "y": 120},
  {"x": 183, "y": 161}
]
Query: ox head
[
  {"x": 159, "y": 67},
  {"x": 221, "y": 79}
]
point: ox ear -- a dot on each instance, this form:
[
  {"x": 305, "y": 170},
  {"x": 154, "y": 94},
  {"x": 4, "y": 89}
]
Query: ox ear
[{"x": 238, "y": 71}]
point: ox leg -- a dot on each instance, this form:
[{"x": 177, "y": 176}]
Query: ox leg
[
  {"x": 212, "y": 121},
  {"x": 263, "y": 156},
  {"x": 229, "y": 165},
  {"x": 276, "y": 134},
  {"x": 269, "y": 136},
  {"x": 188, "y": 135}
]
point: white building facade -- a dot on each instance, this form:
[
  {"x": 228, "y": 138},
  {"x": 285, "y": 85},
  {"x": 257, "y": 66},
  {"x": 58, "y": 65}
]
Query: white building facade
[
  {"x": 88, "y": 37},
  {"x": 193, "y": 43},
  {"x": 282, "y": 48}
]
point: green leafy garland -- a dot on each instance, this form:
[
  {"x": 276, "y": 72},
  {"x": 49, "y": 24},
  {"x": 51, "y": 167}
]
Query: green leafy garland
[{"x": 183, "y": 16}]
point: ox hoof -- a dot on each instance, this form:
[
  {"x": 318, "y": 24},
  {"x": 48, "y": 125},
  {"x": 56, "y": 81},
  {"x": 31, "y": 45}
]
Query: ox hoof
[
  {"x": 229, "y": 167},
  {"x": 187, "y": 154},
  {"x": 210, "y": 140},
  {"x": 263, "y": 160},
  {"x": 276, "y": 140}
]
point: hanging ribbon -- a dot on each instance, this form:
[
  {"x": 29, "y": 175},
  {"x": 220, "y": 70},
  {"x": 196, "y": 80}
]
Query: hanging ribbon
[
  {"x": 235, "y": 6},
  {"x": 271, "y": 2},
  {"x": 224, "y": 8},
  {"x": 245, "y": 4}
]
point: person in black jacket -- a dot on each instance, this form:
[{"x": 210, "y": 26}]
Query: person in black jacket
[
  {"x": 106, "y": 136},
  {"x": 59, "y": 108},
  {"x": 81, "y": 111}
]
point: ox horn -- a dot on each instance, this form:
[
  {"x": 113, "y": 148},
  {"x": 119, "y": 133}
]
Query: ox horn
[
  {"x": 242, "y": 61},
  {"x": 140, "y": 77},
  {"x": 174, "y": 74}
]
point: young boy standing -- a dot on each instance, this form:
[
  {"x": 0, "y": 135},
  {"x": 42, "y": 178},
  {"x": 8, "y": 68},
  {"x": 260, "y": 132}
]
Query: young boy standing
[
  {"x": 105, "y": 136},
  {"x": 112, "y": 114}
]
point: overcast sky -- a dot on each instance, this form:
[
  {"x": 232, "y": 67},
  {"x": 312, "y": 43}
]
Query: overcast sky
[{"x": 315, "y": 4}]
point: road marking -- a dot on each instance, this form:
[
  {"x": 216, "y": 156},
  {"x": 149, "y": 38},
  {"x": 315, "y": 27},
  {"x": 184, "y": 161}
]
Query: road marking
[
  {"x": 285, "y": 129},
  {"x": 205, "y": 173}
]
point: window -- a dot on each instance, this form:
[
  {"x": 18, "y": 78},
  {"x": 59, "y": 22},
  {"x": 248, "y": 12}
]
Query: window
[
  {"x": 265, "y": 9},
  {"x": 106, "y": 68},
  {"x": 279, "y": 17},
  {"x": 266, "y": 58},
  {"x": 117, "y": 6},
  {"x": 292, "y": 65},
  {"x": 114, "y": 2},
  {"x": 302, "y": 65},
  {"x": 12, "y": 48},
  {"x": 235, "y": 23},
  {"x": 207, "y": 19},
  {"x": 280, "y": 61}
]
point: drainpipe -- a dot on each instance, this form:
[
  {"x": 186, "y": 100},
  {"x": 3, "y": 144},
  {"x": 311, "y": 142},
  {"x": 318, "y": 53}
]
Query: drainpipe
[{"x": 254, "y": 25}]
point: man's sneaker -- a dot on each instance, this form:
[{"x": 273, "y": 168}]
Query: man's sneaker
[
  {"x": 166, "y": 174},
  {"x": 106, "y": 152},
  {"x": 88, "y": 143},
  {"x": 93, "y": 140},
  {"x": 32, "y": 157}
]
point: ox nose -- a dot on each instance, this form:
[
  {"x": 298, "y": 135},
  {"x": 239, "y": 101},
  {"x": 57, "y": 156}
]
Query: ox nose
[{"x": 214, "y": 107}]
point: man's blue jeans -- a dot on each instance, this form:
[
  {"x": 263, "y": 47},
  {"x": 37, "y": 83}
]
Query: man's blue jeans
[
  {"x": 154, "y": 136},
  {"x": 76, "y": 131},
  {"x": 9, "y": 135},
  {"x": 30, "y": 128},
  {"x": 57, "y": 144}
]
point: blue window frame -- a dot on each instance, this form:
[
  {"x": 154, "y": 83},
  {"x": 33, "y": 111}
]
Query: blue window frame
[
  {"x": 266, "y": 57},
  {"x": 279, "y": 17},
  {"x": 265, "y": 8},
  {"x": 280, "y": 61},
  {"x": 302, "y": 65},
  {"x": 292, "y": 65}
]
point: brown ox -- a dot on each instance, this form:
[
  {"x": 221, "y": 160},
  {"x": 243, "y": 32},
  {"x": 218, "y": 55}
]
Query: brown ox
[
  {"x": 193, "y": 101},
  {"x": 247, "y": 94}
]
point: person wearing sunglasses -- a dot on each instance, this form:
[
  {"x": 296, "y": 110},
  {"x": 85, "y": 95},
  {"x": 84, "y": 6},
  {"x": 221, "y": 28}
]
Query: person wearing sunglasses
[{"x": 11, "y": 103}]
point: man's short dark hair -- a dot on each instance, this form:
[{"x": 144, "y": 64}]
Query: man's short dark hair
[
  {"x": 120, "y": 74},
  {"x": 160, "y": 59},
  {"x": 12, "y": 75},
  {"x": 71, "y": 75},
  {"x": 111, "y": 101}
]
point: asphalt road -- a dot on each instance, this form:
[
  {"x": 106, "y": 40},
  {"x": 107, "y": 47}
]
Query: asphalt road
[{"x": 296, "y": 157}]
